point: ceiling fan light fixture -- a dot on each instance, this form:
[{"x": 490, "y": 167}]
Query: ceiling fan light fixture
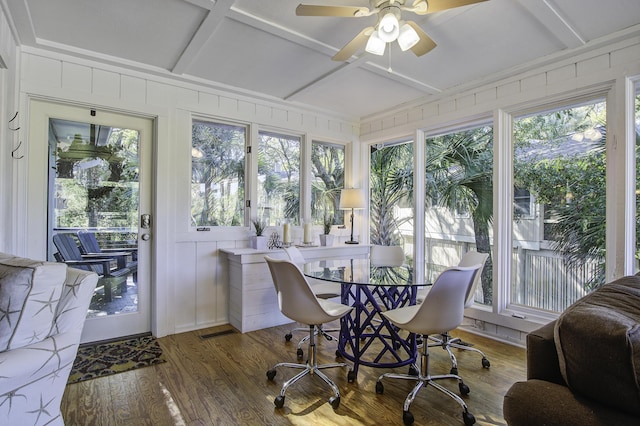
[
  {"x": 375, "y": 45},
  {"x": 389, "y": 27},
  {"x": 408, "y": 37}
]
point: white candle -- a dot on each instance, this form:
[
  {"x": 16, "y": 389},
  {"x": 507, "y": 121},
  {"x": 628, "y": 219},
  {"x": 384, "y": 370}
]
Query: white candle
[
  {"x": 286, "y": 236},
  {"x": 307, "y": 233}
]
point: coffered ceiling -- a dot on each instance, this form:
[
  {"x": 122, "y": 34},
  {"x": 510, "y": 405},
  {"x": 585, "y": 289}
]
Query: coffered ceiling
[{"x": 262, "y": 48}]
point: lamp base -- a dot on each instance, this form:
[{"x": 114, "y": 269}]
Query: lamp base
[{"x": 351, "y": 242}]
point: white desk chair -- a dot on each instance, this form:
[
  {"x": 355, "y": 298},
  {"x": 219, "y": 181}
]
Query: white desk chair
[
  {"x": 322, "y": 290},
  {"x": 445, "y": 340},
  {"x": 297, "y": 302},
  {"x": 442, "y": 309}
]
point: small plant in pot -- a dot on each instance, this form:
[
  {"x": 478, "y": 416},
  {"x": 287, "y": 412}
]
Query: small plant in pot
[
  {"x": 325, "y": 238},
  {"x": 258, "y": 241}
]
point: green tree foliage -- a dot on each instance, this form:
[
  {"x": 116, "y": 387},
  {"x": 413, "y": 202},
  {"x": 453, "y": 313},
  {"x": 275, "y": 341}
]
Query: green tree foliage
[
  {"x": 279, "y": 172},
  {"x": 459, "y": 176},
  {"x": 217, "y": 174},
  {"x": 391, "y": 182},
  {"x": 566, "y": 172},
  {"x": 327, "y": 163}
]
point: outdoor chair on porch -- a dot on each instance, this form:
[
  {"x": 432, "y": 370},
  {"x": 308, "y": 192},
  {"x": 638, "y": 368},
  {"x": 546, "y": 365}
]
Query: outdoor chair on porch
[
  {"x": 69, "y": 253},
  {"x": 126, "y": 257}
]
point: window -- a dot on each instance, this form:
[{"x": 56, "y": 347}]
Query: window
[
  {"x": 327, "y": 168},
  {"x": 559, "y": 157},
  {"x": 278, "y": 178},
  {"x": 459, "y": 201},
  {"x": 637, "y": 145},
  {"x": 391, "y": 185},
  {"x": 217, "y": 174}
]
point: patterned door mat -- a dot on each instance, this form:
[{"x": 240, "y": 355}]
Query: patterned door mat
[{"x": 106, "y": 358}]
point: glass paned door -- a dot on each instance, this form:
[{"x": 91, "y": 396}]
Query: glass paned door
[
  {"x": 94, "y": 178},
  {"x": 98, "y": 208}
]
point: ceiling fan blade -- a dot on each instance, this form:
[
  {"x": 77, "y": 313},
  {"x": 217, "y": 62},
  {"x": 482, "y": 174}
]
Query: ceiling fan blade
[
  {"x": 440, "y": 5},
  {"x": 343, "y": 11},
  {"x": 425, "y": 44},
  {"x": 352, "y": 47}
]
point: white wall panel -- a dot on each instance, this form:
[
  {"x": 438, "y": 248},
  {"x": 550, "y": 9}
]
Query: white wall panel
[
  {"x": 185, "y": 286},
  {"x": 39, "y": 72},
  {"x": 106, "y": 83},
  {"x": 133, "y": 90},
  {"x": 76, "y": 77}
]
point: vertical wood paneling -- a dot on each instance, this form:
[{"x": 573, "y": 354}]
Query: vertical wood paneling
[
  {"x": 133, "y": 90},
  {"x": 76, "y": 77},
  {"x": 185, "y": 293},
  {"x": 106, "y": 83},
  {"x": 41, "y": 72},
  {"x": 206, "y": 283}
]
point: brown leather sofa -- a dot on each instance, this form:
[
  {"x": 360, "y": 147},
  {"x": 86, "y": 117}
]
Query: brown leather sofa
[{"x": 584, "y": 368}]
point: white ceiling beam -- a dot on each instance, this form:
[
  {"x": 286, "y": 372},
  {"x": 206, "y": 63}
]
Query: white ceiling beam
[
  {"x": 217, "y": 12},
  {"x": 548, "y": 14},
  {"x": 325, "y": 49}
]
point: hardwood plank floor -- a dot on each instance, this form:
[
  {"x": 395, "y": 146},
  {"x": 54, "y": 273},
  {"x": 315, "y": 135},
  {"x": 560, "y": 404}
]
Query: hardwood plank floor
[{"x": 222, "y": 381}]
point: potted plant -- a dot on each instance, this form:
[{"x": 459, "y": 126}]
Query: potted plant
[
  {"x": 325, "y": 238},
  {"x": 258, "y": 241}
]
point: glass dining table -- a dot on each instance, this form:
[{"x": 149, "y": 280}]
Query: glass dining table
[{"x": 366, "y": 337}]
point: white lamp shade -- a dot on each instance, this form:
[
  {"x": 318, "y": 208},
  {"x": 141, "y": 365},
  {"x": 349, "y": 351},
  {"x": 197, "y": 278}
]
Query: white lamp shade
[
  {"x": 352, "y": 199},
  {"x": 408, "y": 37},
  {"x": 389, "y": 28},
  {"x": 375, "y": 45}
]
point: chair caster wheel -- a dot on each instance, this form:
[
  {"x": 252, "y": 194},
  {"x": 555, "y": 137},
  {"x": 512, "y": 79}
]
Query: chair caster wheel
[
  {"x": 271, "y": 374},
  {"x": 379, "y": 388},
  {"x": 468, "y": 418},
  {"x": 464, "y": 389},
  {"x": 335, "y": 402},
  {"x": 407, "y": 418},
  {"x": 287, "y": 337},
  {"x": 413, "y": 371},
  {"x": 486, "y": 363},
  {"x": 299, "y": 353},
  {"x": 279, "y": 401},
  {"x": 454, "y": 370},
  {"x": 351, "y": 376}
]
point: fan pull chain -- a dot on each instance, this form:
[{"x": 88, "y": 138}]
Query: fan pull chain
[{"x": 389, "y": 70}]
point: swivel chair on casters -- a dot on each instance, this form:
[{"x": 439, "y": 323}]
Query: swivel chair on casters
[
  {"x": 322, "y": 290},
  {"x": 442, "y": 309},
  {"x": 445, "y": 340},
  {"x": 297, "y": 302}
]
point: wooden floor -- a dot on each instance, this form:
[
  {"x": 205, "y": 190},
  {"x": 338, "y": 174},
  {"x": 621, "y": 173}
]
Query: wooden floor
[{"x": 222, "y": 380}]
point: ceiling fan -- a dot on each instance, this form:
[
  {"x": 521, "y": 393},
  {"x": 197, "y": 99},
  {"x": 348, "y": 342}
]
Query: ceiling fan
[{"x": 390, "y": 27}]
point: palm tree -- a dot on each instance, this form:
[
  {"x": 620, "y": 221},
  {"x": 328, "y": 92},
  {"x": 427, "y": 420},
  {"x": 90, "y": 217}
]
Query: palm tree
[
  {"x": 391, "y": 183},
  {"x": 459, "y": 176}
]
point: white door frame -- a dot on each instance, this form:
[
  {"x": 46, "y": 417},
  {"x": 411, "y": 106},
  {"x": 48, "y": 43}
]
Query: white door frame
[{"x": 37, "y": 198}]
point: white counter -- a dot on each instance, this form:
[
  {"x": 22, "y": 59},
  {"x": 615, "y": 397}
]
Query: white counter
[{"x": 252, "y": 299}]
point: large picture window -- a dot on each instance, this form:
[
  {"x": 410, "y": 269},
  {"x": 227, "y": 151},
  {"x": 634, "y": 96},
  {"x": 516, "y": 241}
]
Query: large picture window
[
  {"x": 278, "y": 178},
  {"x": 558, "y": 254},
  {"x": 217, "y": 174},
  {"x": 391, "y": 203},
  {"x": 459, "y": 202},
  {"x": 327, "y": 168}
]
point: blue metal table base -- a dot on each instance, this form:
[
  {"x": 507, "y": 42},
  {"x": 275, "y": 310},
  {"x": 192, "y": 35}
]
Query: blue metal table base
[{"x": 368, "y": 338}]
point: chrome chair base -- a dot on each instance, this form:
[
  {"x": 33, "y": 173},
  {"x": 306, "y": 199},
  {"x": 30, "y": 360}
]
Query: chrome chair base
[
  {"x": 312, "y": 368},
  {"x": 447, "y": 342},
  {"x": 424, "y": 378},
  {"x": 319, "y": 331}
]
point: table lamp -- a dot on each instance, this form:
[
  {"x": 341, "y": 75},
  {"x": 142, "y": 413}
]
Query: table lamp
[{"x": 352, "y": 199}]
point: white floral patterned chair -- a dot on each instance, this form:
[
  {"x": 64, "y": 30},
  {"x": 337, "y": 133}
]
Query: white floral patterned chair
[{"x": 43, "y": 306}]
